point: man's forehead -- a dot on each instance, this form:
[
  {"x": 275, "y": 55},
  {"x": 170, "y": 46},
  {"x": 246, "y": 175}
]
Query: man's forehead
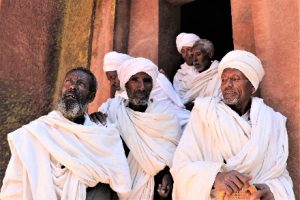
[
  {"x": 232, "y": 71},
  {"x": 77, "y": 74},
  {"x": 186, "y": 47}
]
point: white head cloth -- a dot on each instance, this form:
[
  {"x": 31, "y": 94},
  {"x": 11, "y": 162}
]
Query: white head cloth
[
  {"x": 134, "y": 66},
  {"x": 246, "y": 62},
  {"x": 186, "y": 39},
  {"x": 113, "y": 60}
]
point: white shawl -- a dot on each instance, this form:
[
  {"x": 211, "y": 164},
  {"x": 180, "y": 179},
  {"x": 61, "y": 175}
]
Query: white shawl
[
  {"x": 151, "y": 136},
  {"x": 163, "y": 90},
  {"x": 215, "y": 132},
  {"x": 90, "y": 154},
  {"x": 191, "y": 84}
]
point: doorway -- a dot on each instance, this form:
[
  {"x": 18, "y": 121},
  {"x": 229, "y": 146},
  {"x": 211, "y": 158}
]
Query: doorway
[{"x": 210, "y": 20}]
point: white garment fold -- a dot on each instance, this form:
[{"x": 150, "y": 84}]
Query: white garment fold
[
  {"x": 190, "y": 84},
  {"x": 54, "y": 158},
  {"x": 163, "y": 89},
  {"x": 151, "y": 136},
  {"x": 216, "y": 133}
]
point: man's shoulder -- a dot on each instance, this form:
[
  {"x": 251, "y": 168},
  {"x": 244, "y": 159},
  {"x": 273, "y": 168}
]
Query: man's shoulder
[
  {"x": 260, "y": 105},
  {"x": 206, "y": 101}
]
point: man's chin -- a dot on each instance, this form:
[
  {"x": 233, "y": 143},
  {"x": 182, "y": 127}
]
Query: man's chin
[
  {"x": 71, "y": 109},
  {"x": 231, "y": 102}
]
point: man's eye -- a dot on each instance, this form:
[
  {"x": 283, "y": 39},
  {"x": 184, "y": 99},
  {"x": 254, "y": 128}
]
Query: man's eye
[
  {"x": 134, "y": 79},
  {"x": 147, "y": 80}
]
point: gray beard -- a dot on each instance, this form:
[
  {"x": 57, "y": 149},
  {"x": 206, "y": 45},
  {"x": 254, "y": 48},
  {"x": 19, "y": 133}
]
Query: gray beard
[
  {"x": 71, "y": 109},
  {"x": 138, "y": 102},
  {"x": 231, "y": 102}
]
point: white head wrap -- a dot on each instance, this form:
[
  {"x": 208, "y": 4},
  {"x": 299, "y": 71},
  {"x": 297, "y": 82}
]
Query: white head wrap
[
  {"x": 134, "y": 66},
  {"x": 186, "y": 39},
  {"x": 113, "y": 60},
  {"x": 246, "y": 62}
]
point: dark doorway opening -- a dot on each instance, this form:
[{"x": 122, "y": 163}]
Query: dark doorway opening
[{"x": 210, "y": 19}]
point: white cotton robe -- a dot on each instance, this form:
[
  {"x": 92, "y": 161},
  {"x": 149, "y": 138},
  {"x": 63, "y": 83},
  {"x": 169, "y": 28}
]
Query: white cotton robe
[
  {"x": 151, "y": 136},
  {"x": 190, "y": 84},
  {"x": 89, "y": 153},
  {"x": 216, "y": 133}
]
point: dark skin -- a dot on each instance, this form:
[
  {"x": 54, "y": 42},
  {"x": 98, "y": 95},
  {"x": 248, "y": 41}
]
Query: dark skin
[
  {"x": 114, "y": 81},
  {"x": 237, "y": 91},
  {"x": 187, "y": 55},
  {"x": 76, "y": 87},
  {"x": 201, "y": 58},
  {"x": 138, "y": 89},
  {"x": 201, "y": 62}
]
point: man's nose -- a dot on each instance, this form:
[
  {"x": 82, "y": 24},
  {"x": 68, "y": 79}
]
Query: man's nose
[
  {"x": 141, "y": 85},
  {"x": 229, "y": 82},
  {"x": 73, "y": 86}
]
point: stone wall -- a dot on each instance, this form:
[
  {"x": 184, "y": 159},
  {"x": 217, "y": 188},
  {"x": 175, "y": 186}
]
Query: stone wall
[
  {"x": 270, "y": 29},
  {"x": 39, "y": 42},
  {"x": 29, "y": 46}
]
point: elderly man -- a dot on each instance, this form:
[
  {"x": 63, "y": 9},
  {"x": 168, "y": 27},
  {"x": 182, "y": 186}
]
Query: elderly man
[
  {"x": 186, "y": 73},
  {"x": 111, "y": 62},
  {"x": 59, "y": 155},
  {"x": 149, "y": 129},
  {"x": 232, "y": 142},
  {"x": 206, "y": 82},
  {"x": 162, "y": 88}
]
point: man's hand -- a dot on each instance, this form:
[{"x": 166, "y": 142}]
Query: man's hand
[
  {"x": 231, "y": 181},
  {"x": 263, "y": 193},
  {"x": 165, "y": 187},
  {"x": 98, "y": 117}
]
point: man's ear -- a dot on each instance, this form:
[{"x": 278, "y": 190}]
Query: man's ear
[
  {"x": 211, "y": 54},
  {"x": 91, "y": 96}
]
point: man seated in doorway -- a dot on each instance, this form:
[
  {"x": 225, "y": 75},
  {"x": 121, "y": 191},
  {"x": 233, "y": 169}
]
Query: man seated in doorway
[
  {"x": 59, "y": 155},
  {"x": 233, "y": 141},
  {"x": 206, "y": 82},
  {"x": 149, "y": 129},
  {"x": 162, "y": 89},
  {"x": 111, "y": 62},
  {"x": 186, "y": 73}
]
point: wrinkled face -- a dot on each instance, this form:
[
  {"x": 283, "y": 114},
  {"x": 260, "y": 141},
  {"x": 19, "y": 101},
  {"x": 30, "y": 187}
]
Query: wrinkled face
[
  {"x": 187, "y": 55},
  {"x": 113, "y": 78},
  {"x": 138, "y": 88},
  {"x": 236, "y": 88},
  {"x": 75, "y": 95},
  {"x": 201, "y": 59}
]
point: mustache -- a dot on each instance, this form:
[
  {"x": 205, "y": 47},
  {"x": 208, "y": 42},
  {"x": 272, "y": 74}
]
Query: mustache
[{"x": 72, "y": 93}]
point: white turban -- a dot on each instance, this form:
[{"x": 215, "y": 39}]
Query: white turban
[
  {"x": 113, "y": 60},
  {"x": 246, "y": 62},
  {"x": 134, "y": 66},
  {"x": 186, "y": 39}
]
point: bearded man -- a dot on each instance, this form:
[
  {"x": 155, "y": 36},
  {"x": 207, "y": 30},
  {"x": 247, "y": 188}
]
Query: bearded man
[
  {"x": 186, "y": 73},
  {"x": 234, "y": 141},
  {"x": 59, "y": 155},
  {"x": 111, "y": 62},
  {"x": 149, "y": 129},
  {"x": 162, "y": 89}
]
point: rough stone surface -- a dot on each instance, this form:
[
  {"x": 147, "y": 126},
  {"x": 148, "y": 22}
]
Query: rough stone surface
[
  {"x": 74, "y": 39},
  {"x": 273, "y": 35},
  {"x": 169, "y": 58},
  {"x": 28, "y": 60},
  {"x": 143, "y": 32},
  {"x": 101, "y": 44},
  {"x": 122, "y": 20}
]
